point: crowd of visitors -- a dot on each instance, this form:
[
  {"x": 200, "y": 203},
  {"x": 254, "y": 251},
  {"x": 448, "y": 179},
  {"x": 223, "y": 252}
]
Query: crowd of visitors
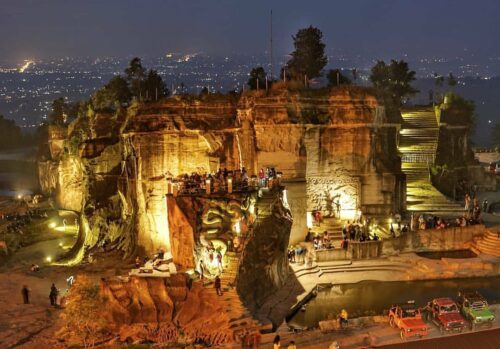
[{"x": 218, "y": 182}]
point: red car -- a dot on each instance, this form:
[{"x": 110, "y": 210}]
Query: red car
[
  {"x": 408, "y": 319},
  {"x": 445, "y": 314}
]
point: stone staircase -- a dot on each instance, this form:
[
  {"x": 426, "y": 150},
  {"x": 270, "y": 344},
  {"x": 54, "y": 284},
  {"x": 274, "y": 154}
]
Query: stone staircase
[
  {"x": 323, "y": 268},
  {"x": 488, "y": 244},
  {"x": 417, "y": 145},
  {"x": 332, "y": 225},
  {"x": 240, "y": 317}
]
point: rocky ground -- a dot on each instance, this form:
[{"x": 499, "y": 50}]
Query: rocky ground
[{"x": 34, "y": 325}]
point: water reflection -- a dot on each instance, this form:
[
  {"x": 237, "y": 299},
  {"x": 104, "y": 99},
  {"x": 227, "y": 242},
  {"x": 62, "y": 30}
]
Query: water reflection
[{"x": 373, "y": 297}]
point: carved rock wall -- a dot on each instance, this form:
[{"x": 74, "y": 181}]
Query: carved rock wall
[
  {"x": 159, "y": 309},
  {"x": 264, "y": 263},
  {"x": 321, "y": 138}
]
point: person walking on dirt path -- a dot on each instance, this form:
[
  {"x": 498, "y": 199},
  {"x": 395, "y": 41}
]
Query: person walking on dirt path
[
  {"x": 26, "y": 294},
  {"x": 217, "y": 285},
  {"x": 53, "y": 295}
]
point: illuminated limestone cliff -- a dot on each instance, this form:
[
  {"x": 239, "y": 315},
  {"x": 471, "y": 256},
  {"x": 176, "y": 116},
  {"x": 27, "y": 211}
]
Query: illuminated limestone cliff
[
  {"x": 114, "y": 169},
  {"x": 335, "y": 146}
]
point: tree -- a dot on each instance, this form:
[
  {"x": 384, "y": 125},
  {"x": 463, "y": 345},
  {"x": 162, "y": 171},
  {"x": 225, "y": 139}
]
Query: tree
[
  {"x": 58, "y": 114},
  {"x": 354, "y": 74},
  {"x": 438, "y": 80},
  {"x": 10, "y": 134},
  {"x": 115, "y": 93},
  {"x": 204, "y": 91},
  {"x": 309, "y": 57},
  {"x": 135, "y": 75},
  {"x": 458, "y": 111},
  {"x": 452, "y": 81},
  {"x": 394, "y": 80},
  {"x": 495, "y": 135},
  {"x": 336, "y": 78},
  {"x": 154, "y": 86},
  {"x": 257, "y": 78}
]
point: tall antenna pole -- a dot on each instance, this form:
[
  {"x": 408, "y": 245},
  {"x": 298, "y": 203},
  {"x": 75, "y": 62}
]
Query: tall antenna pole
[{"x": 271, "y": 48}]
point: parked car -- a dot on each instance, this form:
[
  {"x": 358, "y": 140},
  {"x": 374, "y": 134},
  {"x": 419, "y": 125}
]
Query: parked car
[
  {"x": 475, "y": 309},
  {"x": 408, "y": 318},
  {"x": 445, "y": 314}
]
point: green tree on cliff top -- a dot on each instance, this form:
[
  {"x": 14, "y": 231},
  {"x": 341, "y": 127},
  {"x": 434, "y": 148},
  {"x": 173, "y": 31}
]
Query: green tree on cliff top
[
  {"x": 115, "y": 92},
  {"x": 394, "y": 80},
  {"x": 58, "y": 114},
  {"x": 154, "y": 86},
  {"x": 135, "y": 75},
  {"x": 257, "y": 78},
  {"x": 336, "y": 78},
  {"x": 309, "y": 57}
]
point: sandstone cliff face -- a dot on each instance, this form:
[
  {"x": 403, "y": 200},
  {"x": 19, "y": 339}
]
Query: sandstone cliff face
[{"x": 337, "y": 144}]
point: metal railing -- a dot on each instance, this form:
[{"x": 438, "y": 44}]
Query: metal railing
[{"x": 416, "y": 158}]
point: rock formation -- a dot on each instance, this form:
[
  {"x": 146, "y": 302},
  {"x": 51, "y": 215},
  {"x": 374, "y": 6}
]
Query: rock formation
[
  {"x": 338, "y": 147},
  {"x": 162, "y": 310},
  {"x": 329, "y": 147}
]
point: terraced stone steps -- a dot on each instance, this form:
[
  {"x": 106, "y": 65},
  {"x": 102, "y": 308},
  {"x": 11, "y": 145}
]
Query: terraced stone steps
[
  {"x": 358, "y": 266},
  {"x": 332, "y": 225},
  {"x": 488, "y": 244},
  {"x": 417, "y": 145}
]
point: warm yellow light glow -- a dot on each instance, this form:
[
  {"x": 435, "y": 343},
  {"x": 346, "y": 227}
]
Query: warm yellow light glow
[
  {"x": 48, "y": 259},
  {"x": 169, "y": 186},
  {"x": 19, "y": 196},
  {"x": 285, "y": 199},
  {"x": 309, "y": 219},
  {"x": 229, "y": 185},
  {"x": 207, "y": 186},
  {"x": 60, "y": 244},
  {"x": 237, "y": 228},
  {"x": 26, "y": 65},
  {"x": 52, "y": 225}
]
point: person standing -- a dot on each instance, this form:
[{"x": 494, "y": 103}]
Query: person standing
[
  {"x": 277, "y": 342},
  {"x": 219, "y": 261},
  {"x": 53, "y": 295},
  {"x": 202, "y": 269},
  {"x": 26, "y": 294},
  {"x": 292, "y": 345},
  {"x": 217, "y": 285}
]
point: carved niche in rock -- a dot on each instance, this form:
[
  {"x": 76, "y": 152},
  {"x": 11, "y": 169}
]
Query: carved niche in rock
[{"x": 335, "y": 195}]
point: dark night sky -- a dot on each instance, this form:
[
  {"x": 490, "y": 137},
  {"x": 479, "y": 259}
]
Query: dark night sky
[{"x": 379, "y": 28}]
